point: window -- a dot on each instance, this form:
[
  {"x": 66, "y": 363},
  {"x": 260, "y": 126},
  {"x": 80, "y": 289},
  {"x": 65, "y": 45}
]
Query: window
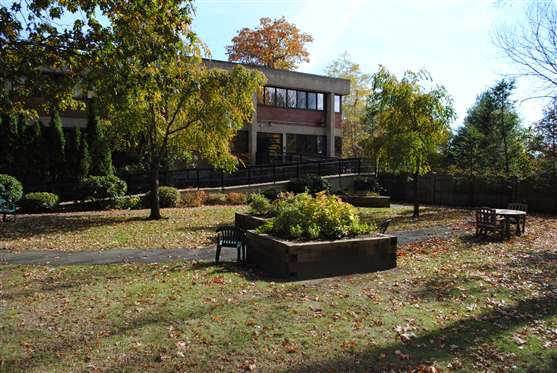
[
  {"x": 321, "y": 145},
  {"x": 270, "y": 96},
  {"x": 261, "y": 96},
  {"x": 320, "y": 101},
  {"x": 291, "y": 143},
  {"x": 338, "y": 104},
  {"x": 281, "y": 97},
  {"x": 312, "y": 101},
  {"x": 291, "y": 99},
  {"x": 301, "y": 100}
]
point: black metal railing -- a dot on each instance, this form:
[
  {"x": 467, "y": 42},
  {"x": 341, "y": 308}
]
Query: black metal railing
[{"x": 257, "y": 174}]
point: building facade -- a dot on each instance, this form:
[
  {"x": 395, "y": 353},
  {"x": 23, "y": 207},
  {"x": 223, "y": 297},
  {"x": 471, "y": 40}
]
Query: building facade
[{"x": 298, "y": 116}]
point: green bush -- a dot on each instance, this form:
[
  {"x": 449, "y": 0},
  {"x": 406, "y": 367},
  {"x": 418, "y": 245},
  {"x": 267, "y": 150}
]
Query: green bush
[
  {"x": 169, "y": 196},
  {"x": 302, "y": 216},
  {"x": 103, "y": 187},
  {"x": 129, "y": 203},
  {"x": 259, "y": 205},
  {"x": 216, "y": 199},
  {"x": 11, "y": 189},
  {"x": 39, "y": 202},
  {"x": 312, "y": 184}
]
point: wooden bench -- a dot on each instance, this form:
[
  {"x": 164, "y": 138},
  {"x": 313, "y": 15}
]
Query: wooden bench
[{"x": 7, "y": 208}]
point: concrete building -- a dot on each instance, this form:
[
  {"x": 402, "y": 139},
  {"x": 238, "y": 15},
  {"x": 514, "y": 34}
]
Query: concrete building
[{"x": 299, "y": 116}]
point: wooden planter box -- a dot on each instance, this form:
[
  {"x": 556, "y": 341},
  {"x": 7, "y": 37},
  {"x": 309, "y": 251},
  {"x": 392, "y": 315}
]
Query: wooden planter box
[
  {"x": 248, "y": 222},
  {"x": 318, "y": 259},
  {"x": 367, "y": 201}
]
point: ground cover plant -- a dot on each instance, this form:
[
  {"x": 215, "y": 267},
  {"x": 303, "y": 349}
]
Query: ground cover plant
[{"x": 458, "y": 304}]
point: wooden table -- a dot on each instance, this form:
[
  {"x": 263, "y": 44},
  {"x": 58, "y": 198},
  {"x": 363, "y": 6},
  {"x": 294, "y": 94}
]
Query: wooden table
[{"x": 515, "y": 215}]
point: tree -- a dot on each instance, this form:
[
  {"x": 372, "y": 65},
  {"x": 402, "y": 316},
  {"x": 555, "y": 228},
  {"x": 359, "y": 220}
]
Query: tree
[
  {"x": 8, "y": 143},
  {"x": 56, "y": 148},
  {"x": 98, "y": 147},
  {"x": 491, "y": 141},
  {"x": 277, "y": 44},
  {"x": 410, "y": 119},
  {"x": 546, "y": 132},
  {"x": 353, "y": 105},
  {"x": 84, "y": 158},
  {"x": 533, "y": 45},
  {"x": 165, "y": 95}
]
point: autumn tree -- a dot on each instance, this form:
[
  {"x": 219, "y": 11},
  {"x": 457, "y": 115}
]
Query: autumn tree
[
  {"x": 353, "y": 104},
  {"x": 277, "y": 44},
  {"x": 408, "y": 119},
  {"x": 546, "y": 133},
  {"x": 166, "y": 96}
]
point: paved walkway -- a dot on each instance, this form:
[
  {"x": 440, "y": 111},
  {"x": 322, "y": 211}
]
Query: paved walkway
[{"x": 55, "y": 258}]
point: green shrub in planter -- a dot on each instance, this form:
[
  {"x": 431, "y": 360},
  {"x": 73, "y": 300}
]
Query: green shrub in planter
[
  {"x": 11, "y": 189},
  {"x": 259, "y": 205},
  {"x": 168, "y": 197},
  {"x": 312, "y": 184},
  {"x": 103, "y": 187},
  {"x": 39, "y": 202},
  {"x": 368, "y": 184},
  {"x": 129, "y": 203},
  {"x": 302, "y": 216}
]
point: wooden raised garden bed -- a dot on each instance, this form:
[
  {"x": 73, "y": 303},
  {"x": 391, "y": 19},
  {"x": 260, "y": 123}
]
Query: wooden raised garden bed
[
  {"x": 318, "y": 259},
  {"x": 247, "y": 221},
  {"x": 367, "y": 201}
]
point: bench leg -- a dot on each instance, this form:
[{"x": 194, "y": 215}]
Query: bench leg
[{"x": 217, "y": 257}]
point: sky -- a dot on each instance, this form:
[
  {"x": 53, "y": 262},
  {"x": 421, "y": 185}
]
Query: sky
[{"x": 452, "y": 39}]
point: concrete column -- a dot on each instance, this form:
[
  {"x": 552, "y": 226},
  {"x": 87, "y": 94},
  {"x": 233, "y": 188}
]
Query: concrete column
[
  {"x": 330, "y": 123},
  {"x": 252, "y": 135}
]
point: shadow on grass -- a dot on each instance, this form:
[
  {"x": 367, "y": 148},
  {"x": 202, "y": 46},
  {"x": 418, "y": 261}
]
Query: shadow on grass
[
  {"x": 466, "y": 334},
  {"x": 28, "y": 226}
]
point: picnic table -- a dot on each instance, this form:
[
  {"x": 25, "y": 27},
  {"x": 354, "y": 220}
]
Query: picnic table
[{"x": 511, "y": 216}]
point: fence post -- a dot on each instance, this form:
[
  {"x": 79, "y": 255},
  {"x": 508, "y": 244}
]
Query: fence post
[
  {"x": 318, "y": 168},
  {"x": 274, "y": 173},
  {"x": 359, "y": 166},
  {"x": 197, "y": 180},
  {"x": 249, "y": 176},
  {"x": 297, "y": 169}
]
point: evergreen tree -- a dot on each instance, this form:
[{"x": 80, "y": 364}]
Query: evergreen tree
[
  {"x": 84, "y": 158},
  {"x": 8, "y": 144},
  {"x": 492, "y": 142},
  {"x": 56, "y": 146},
  {"x": 101, "y": 157},
  {"x": 546, "y": 144},
  {"x": 73, "y": 160}
]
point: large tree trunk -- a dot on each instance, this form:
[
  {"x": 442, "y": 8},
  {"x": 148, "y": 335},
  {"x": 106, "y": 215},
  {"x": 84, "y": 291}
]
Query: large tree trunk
[
  {"x": 416, "y": 202},
  {"x": 155, "y": 200}
]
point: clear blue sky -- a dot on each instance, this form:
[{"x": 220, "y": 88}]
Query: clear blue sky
[{"x": 452, "y": 39}]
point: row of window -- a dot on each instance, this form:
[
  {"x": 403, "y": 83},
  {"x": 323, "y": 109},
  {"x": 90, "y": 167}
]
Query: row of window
[
  {"x": 271, "y": 143},
  {"x": 294, "y": 99}
]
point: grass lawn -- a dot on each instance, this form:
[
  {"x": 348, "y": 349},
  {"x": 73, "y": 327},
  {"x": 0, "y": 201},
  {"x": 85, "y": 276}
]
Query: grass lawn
[
  {"x": 183, "y": 228},
  {"x": 456, "y": 304}
]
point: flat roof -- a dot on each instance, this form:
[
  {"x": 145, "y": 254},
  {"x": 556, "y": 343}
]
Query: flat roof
[{"x": 291, "y": 79}]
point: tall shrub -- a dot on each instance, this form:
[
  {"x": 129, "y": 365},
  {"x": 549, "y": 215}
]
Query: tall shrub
[
  {"x": 101, "y": 157},
  {"x": 10, "y": 188},
  {"x": 8, "y": 139},
  {"x": 73, "y": 155},
  {"x": 56, "y": 145},
  {"x": 84, "y": 158}
]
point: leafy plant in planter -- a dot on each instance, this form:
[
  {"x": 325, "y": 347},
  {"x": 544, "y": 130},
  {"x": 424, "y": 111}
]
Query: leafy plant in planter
[
  {"x": 302, "y": 216},
  {"x": 259, "y": 205},
  {"x": 368, "y": 185}
]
